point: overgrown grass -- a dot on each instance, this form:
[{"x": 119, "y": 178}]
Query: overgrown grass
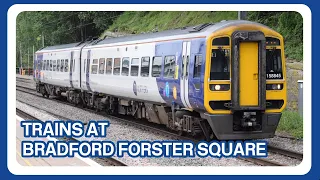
[
  {"x": 145, "y": 21},
  {"x": 291, "y": 122}
]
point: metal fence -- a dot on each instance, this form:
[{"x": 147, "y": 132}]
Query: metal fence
[{"x": 300, "y": 97}]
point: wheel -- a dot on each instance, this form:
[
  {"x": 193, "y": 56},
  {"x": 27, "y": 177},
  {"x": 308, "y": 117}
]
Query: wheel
[{"x": 180, "y": 133}]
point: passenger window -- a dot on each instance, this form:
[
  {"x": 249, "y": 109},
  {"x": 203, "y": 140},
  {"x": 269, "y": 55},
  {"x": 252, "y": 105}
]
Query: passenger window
[
  {"x": 134, "y": 67},
  {"x": 116, "y": 64},
  {"x": 62, "y": 65},
  {"x": 40, "y": 66},
  {"x": 50, "y": 65},
  {"x": 95, "y": 61},
  {"x": 156, "y": 66},
  {"x": 101, "y": 66},
  {"x": 109, "y": 66},
  {"x": 54, "y": 65},
  {"x": 220, "y": 64},
  {"x": 197, "y": 66},
  {"x": 44, "y": 65},
  {"x": 66, "y": 65},
  {"x": 58, "y": 65},
  {"x": 169, "y": 66},
  {"x": 94, "y": 69},
  {"x": 84, "y": 65},
  {"x": 125, "y": 66},
  {"x": 145, "y": 66}
]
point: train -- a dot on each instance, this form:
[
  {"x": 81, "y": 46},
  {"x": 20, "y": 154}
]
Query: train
[{"x": 224, "y": 80}]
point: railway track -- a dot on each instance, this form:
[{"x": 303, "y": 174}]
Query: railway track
[
  {"x": 106, "y": 161},
  {"x": 172, "y": 135},
  {"x": 285, "y": 152}
]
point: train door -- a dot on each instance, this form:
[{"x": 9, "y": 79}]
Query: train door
[
  {"x": 49, "y": 73},
  {"x": 75, "y": 70},
  {"x": 71, "y": 69},
  {"x": 88, "y": 71},
  {"x": 184, "y": 80},
  {"x": 37, "y": 62},
  {"x": 249, "y": 73},
  {"x": 195, "y": 80}
]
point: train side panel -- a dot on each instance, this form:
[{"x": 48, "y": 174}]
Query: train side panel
[{"x": 126, "y": 84}]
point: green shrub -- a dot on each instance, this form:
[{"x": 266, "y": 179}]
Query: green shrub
[
  {"x": 289, "y": 25},
  {"x": 292, "y": 123}
]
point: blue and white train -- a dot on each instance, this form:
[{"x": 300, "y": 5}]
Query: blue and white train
[{"x": 223, "y": 80}]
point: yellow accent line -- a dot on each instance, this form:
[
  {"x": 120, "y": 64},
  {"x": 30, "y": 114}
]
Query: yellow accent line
[{"x": 26, "y": 161}]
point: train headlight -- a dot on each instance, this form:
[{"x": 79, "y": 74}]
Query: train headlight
[
  {"x": 274, "y": 86},
  {"x": 219, "y": 87}
]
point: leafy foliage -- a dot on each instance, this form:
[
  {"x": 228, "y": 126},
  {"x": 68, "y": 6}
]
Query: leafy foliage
[
  {"x": 70, "y": 26},
  {"x": 58, "y": 28},
  {"x": 289, "y": 25}
]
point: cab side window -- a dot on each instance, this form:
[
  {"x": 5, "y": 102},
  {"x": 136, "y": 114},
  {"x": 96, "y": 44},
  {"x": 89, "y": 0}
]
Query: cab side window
[{"x": 197, "y": 66}]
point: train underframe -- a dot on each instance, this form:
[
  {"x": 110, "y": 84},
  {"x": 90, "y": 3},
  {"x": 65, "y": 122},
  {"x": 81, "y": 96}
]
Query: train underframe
[
  {"x": 174, "y": 118},
  {"x": 239, "y": 125}
]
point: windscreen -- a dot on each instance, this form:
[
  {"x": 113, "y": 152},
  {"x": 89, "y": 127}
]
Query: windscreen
[
  {"x": 274, "y": 64},
  {"x": 220, "y": 60}
]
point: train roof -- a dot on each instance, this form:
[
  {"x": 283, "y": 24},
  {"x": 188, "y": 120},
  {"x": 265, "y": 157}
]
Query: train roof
[
  {"x": 62, "y": 46},
  {"x": 172, "y": 32},
  {"x": 202, "y": 29}
]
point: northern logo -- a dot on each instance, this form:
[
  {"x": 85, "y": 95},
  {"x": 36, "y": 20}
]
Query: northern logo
[{"x": 134, "y": 88}]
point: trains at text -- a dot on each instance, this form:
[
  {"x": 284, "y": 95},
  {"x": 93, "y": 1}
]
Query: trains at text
[{"x": 218, "y": 81}]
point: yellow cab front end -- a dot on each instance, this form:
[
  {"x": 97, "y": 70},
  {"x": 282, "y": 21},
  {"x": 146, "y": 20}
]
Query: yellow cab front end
[{"x": 244, "y": 81}]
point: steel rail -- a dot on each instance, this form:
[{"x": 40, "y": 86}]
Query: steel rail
[{"x": 285, "y": 152}]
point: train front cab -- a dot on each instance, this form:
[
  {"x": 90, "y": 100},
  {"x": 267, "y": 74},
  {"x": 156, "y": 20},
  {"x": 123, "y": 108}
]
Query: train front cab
[{"x": 244, "y": 87}]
